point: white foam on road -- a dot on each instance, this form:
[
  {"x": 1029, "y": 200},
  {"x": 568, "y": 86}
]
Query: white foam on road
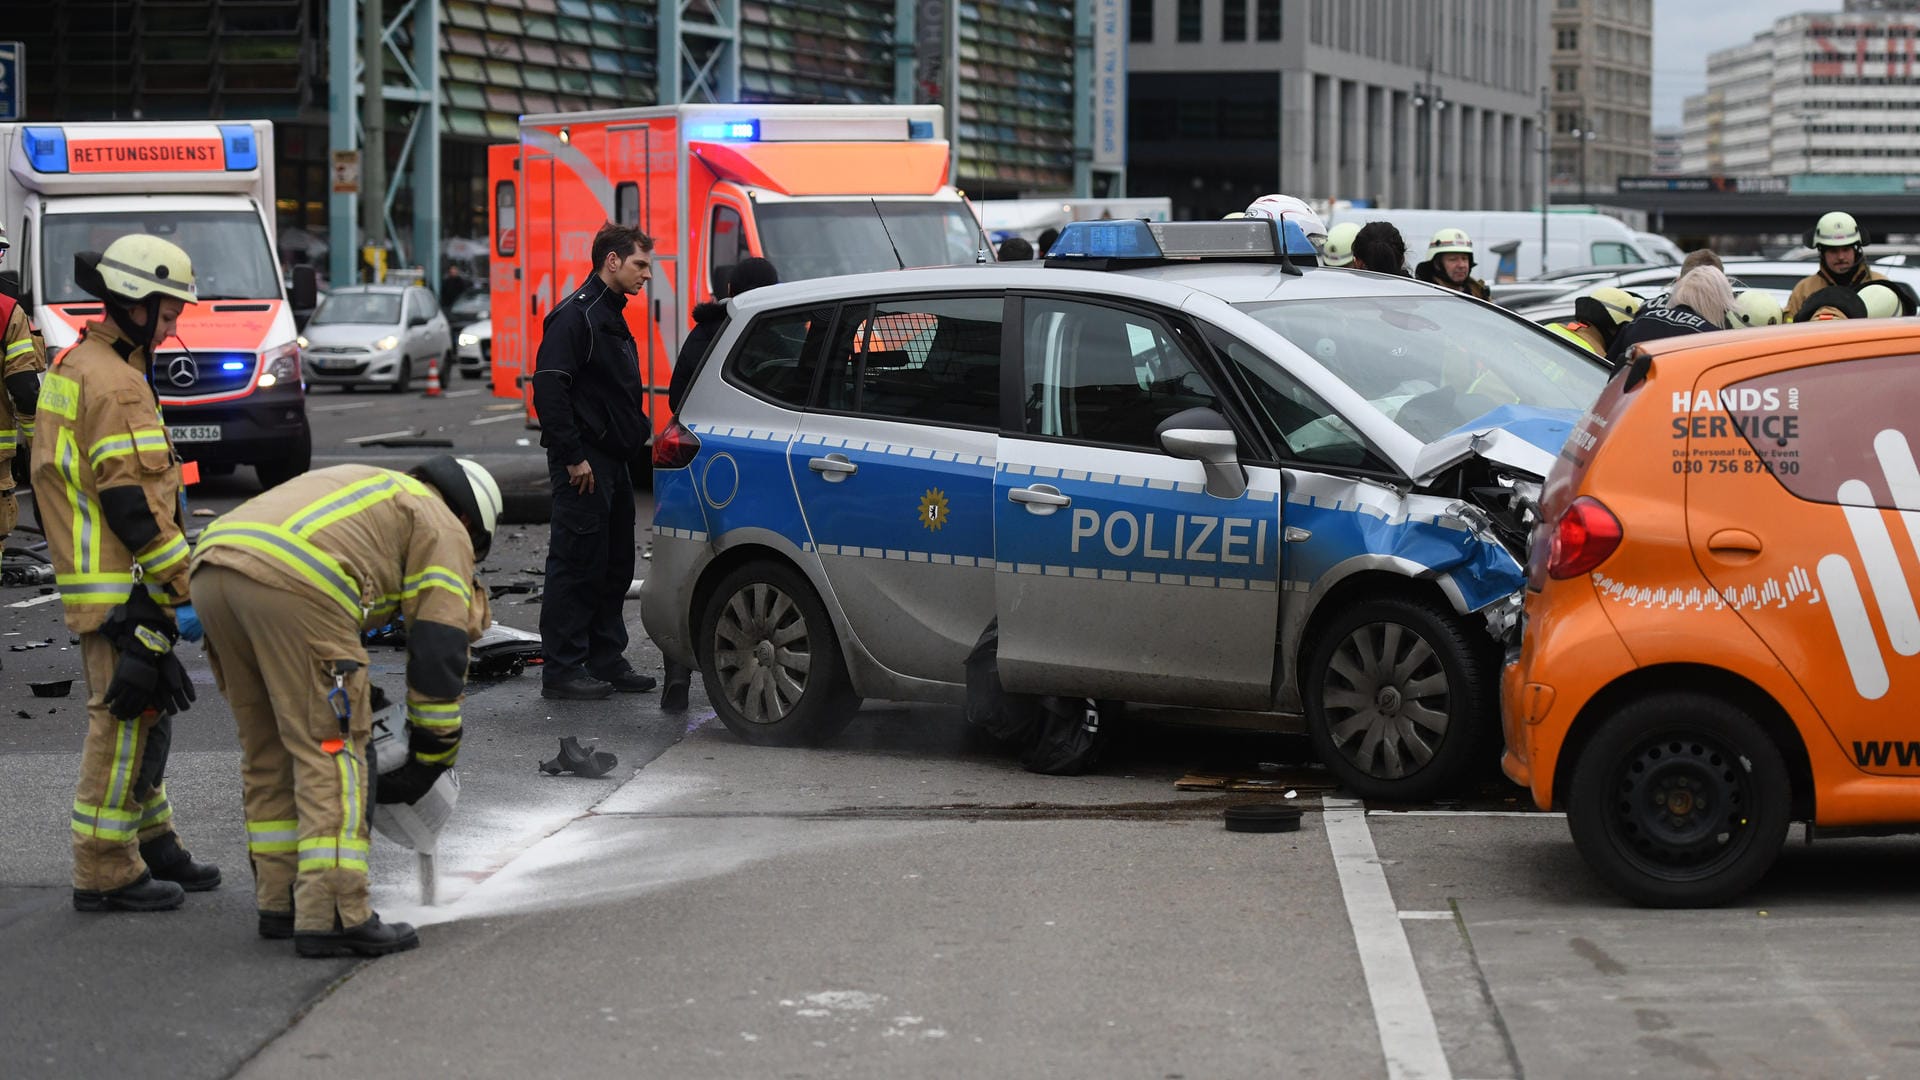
[{"x": 1409, "y": 1037}]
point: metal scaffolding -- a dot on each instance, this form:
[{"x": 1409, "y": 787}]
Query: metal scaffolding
[
  {"x": 699, "y": 55},
  {"x": 411, "y": 40}
]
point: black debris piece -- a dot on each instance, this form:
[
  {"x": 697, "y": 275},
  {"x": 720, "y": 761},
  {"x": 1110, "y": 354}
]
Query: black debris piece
[
  {"x": 580, "y": 761},
  {"x": 53, "y": 688}
]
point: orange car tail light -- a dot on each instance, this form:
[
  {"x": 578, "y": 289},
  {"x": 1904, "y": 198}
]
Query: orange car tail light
[{"x": 1586, "y": 534}]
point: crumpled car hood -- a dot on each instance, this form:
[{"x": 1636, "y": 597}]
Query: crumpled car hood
[{"x": 1521, "y": 437}]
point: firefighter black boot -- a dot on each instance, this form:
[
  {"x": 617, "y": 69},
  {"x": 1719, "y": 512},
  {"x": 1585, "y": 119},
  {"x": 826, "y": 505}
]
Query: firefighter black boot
[
  {"x": 370, "y": 938},
  {"x": 145, "y": 894},
  {"x": 168, "y": 861}
]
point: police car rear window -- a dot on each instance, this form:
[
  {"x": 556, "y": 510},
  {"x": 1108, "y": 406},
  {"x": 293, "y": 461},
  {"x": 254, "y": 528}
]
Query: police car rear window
[
  {"x": 781, "y": 353},
  {"x": 934, "y": 360}
]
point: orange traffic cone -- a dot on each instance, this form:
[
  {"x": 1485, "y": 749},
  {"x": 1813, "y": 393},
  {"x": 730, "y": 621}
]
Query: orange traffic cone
[{"x": 433, "y": 377}]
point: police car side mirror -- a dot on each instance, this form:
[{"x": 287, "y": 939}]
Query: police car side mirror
[{"x": 1205, "y": 436}]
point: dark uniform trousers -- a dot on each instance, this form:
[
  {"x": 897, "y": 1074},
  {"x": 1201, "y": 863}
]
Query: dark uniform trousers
[{"x": 583, "y": 623}]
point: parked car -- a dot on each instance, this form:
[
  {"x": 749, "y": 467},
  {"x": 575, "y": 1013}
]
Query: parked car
[
  {"x": 474, "y": 305},
  {"x": 375, "y": 334},
  {"x": 1219, "y": 483},
  {"x": 474, "y": 357},
  {"x": 1721, "y": 637}
]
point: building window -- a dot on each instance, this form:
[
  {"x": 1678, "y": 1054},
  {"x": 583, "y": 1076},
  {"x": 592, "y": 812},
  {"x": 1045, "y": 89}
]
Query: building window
[
  {"x": 1567, "y": 39},
  {"x": 1266, "y": 25},
  {"x": 1189, "y": 21},
  {"x": 1566, "y": 79},
  {"x": 1233, "y": 21},
  {"x": 1140, "y": 20}
]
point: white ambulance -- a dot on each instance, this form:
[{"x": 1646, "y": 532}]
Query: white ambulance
[{"x": 229, "y": 381}]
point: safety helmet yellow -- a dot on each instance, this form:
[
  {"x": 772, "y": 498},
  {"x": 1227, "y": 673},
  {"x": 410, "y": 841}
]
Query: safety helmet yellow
[
  {"x": 1232, "y": 216},
  {"x": 1756, "y": 307},
  {"x": 1881, "y": 301},
  {"x": 1621, "y": 306},
  {"x": 136, "y": 267},
  {"x": 1339, "y": 250},
  {"x": 1450, "y": 242},
  {"x": 1836, "y": 229}
]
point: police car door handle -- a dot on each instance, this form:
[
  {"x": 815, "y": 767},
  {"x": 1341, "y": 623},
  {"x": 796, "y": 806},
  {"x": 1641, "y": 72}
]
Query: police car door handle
[
  {"x": 1040, "y": 498},
  {"x": 833, "y": 468}
]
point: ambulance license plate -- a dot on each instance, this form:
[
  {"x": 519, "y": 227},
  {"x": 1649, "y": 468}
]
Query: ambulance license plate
[{"x": 183, "y": 433}]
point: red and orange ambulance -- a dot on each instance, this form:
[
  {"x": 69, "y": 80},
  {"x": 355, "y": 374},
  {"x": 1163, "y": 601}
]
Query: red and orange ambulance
[
  {"x": 229, "y": 381},
  {"x": 818, "y": 189}
]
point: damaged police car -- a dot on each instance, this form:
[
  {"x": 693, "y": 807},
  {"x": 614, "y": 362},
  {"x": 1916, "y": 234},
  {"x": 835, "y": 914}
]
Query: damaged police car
[{"x": 1175, "y": 466}]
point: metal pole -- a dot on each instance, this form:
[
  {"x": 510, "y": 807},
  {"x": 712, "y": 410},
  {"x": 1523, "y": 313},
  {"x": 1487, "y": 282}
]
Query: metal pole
[
  {"x": 952, "y": 92},
  {"x": 1545, "y": 198},
  {"x": 904, "y": 27},
  {"x": 1083, "y": 93},
  {"x": 342, "y": 236},
  {"x": 667, "y": 79},
  {"x": 373, "y": 107},
  {"x": 426, "y": 141}
]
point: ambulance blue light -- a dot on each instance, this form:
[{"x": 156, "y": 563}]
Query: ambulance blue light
[
  {"x": 919, "y": 129},
  {"x": 737, "y": 130},
  {"x": 1105, "y": 240},
  {"x": 243, "y": 153},
  {"x": 46, "y": 148},
  {"x": 233, "y": 365}
]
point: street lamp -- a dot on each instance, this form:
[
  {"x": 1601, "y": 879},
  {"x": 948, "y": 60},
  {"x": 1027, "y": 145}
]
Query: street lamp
[
  {"x": 1806, "y": 118},
  {"x": 1584, "y": 135},
  {"x": 1427, "y": 96}
]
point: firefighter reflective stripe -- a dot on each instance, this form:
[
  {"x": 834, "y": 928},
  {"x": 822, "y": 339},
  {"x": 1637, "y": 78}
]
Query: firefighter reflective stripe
[
  {"x": 9, "y": 439},
  {"x": 86, "y": 537},
  {"x": 295, "y": 552},
  {"x": 332, "y": 853},
  {"x": 59, "y": 395},
  {"x": 436, "y": 577},
  {"x": 113, "y": 446},
  {"x": 20, "y": 348},
  {"x": 163, "y": 555},
  {"x": 120, "y": 779},
  {"x": 104, "y": 822},
  {"x": 433, "y": 715},
  {"x": 26, "y": 428},
  {"x": 444, "y": 757},
  {"x": 350, "y": 500},
  {"x": 1570, "y": 335},
  {"x": 268, "y": 837},
  {"x": 156, "y": 810}
]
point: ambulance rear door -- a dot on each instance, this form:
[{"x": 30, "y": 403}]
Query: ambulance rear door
[
  {"x": 507, "y": 352},
  {"x": 643, "y": 161}
]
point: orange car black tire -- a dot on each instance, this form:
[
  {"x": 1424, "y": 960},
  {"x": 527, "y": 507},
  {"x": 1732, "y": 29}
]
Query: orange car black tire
[
  {"x": 1396, "y": 692},
  {"x": 770, "y": 659},
  {"x": 1680, "y": 800}
]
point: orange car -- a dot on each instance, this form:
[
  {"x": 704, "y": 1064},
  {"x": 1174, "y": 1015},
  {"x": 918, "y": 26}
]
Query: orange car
[{"x": 1721, "y": 635}]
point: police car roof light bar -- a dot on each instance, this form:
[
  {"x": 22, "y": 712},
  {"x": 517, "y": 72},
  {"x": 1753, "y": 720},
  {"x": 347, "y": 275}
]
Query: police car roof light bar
[{"x": 1098, "y": 245}]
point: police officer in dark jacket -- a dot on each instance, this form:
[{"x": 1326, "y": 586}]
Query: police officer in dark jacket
[{"x": 587, "y": 390}]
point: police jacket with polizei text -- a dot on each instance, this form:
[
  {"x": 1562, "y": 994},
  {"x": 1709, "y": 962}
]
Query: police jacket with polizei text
[
  {"x": 107, "y": 480},
  {"x": 586, "y": 380},
  {"x": 1654, "y": 323},
  {"x": 376, "y": 543}
]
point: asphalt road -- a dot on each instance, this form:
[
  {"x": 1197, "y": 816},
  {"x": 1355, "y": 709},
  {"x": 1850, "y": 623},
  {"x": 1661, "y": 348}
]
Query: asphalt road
[{"x": 902, "y": 903}]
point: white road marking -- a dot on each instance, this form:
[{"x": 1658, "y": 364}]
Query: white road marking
[
  {"x": 478, "y": 420},
  {"x": 1468, "y": 813},
  {"x": 1408, "y": 1035},
  {"x": 1426, "y": 916},
  {"x": 342, "y": 407},
  {"x": 36, "y": 601},
  {"x": 459, "y": 393},
  {"x": 406, "y": 433}
]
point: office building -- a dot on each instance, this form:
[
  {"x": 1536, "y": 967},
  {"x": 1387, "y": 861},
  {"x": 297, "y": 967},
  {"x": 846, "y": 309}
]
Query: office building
[{"x": 1601, "y": 93}]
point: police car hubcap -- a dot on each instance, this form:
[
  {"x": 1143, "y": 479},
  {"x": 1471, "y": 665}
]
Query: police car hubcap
[
  {"x": 761, "y": 653},
  {"x": 1385, "y": 699}
]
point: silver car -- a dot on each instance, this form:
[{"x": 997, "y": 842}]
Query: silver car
[
  {"x": 384, "y": 334},
  {"x": 1221, "y": 484}
]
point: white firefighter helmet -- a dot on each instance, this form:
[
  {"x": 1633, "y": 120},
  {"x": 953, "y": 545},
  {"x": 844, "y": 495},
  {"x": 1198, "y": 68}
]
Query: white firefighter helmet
[
  {"x": 1450, "y": 241},
  {"x": 1881, "y": 302},
  {"x": 136, "y": 267},
  {"x": 1755, "y": 307},
  {"x": 486, "y": 493},
  {"x": 1339, "y": 247},
  {"x": 1836, "y": 229},
  {"x": 1295, "y": 210}
]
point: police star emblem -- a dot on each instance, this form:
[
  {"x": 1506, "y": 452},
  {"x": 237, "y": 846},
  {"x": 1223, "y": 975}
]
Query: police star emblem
[{"x": 933, "y": 510}]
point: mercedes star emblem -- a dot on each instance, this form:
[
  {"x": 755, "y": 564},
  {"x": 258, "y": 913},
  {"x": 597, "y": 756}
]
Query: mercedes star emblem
[{"x": 182, "y": 372}]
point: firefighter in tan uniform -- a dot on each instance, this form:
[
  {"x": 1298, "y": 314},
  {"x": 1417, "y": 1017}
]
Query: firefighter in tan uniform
[
  {"x": 22, "y": 359},
  {"x": 109, "y": 500},
  {"x": 1843, "y": 262},
  {"x": 286, "y": 584}
]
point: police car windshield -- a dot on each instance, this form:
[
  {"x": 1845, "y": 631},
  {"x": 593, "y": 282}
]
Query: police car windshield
[
  {"x": 370, "y": 308},
  {"x": 231, "y": 259},
  {"x": 822, "y": 239},
  {"x": 1434, "y": 364}
]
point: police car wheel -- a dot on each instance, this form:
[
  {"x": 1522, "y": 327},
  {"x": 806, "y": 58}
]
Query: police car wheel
[
  {"x": 771, "y": 661},
  {"x": 1396, "y": 695},
  {"x": 1680, "y": 800}
]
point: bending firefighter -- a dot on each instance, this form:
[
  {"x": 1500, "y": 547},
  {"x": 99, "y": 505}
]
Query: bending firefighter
[
  {"x": 21, "y": 362},
  {"x": 1598, "y": 317},
  {"x": 109, "y": 499},
  {"x": 286, "y": 583}
]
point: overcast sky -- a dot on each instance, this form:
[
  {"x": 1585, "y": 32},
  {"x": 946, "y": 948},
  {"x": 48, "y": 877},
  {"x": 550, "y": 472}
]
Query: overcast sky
[{"x": 1685, "y": 31}]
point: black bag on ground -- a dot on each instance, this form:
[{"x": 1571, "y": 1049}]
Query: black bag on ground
[
  {"x": 1069, "y": 739},
  {"x": 1008, "y": 718}
]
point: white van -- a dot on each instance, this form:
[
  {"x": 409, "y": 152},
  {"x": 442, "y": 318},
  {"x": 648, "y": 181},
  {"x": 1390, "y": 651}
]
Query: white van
[{"x": 1573, "y": 239}]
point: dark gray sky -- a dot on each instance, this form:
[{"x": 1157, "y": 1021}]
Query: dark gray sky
[{"x": 1685, "y": 31}]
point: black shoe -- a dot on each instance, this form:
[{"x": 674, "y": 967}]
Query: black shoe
[
  {"x": 145, "y": 894},
  {"x": 168, "y": 861},
  {"x": 276, "y": 925},
  {"x": 674, "y": 697},
  {"x": 628, "y": 681},
  {"x": 370, "y": 938},
  {"x": 576, "y": 688}
]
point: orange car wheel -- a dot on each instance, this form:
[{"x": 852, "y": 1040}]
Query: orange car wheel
[{"x": 1680, "y": 800}]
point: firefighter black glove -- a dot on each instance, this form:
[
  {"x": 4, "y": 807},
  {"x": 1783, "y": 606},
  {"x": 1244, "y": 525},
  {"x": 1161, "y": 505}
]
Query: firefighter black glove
[
  {"x": 148, "y": 675},
  {"x": 175, "y": 692},
  {"x": 409, "y": 782},
  {"x": 135, "y": 678}
]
